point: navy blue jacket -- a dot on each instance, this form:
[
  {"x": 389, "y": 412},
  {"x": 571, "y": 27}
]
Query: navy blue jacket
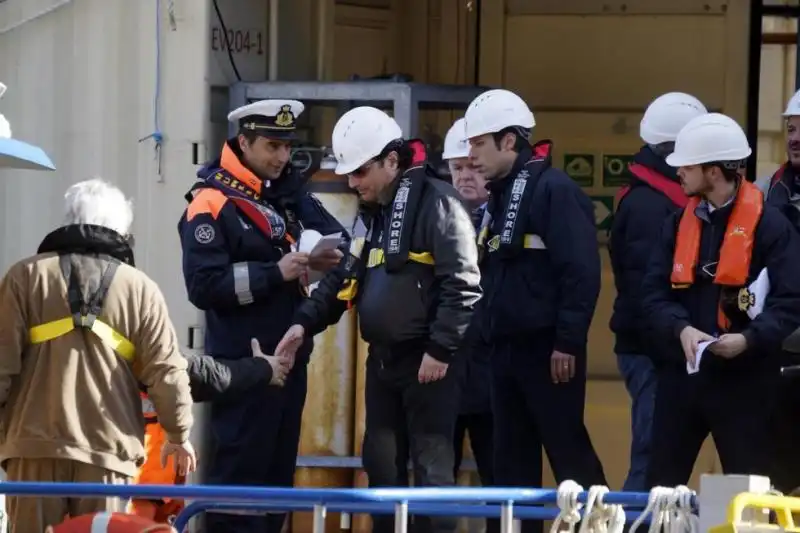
[
  {"x": 636, "y": 228},
  {"x": 776, "y": 247},
  {"x": 224, "y": 255},
  {"x": 554, "y": 288},
  {"x": 784, "y": 193}
]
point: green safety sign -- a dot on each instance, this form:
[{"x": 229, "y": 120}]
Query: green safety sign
[
  {"x": 614, "y": 170},
  {"x": 580, "y": 167},
  {"x": 603, "y": 211}
]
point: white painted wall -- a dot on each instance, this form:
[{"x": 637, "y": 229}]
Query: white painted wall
[
  {"x": 247, "y": 22},
  {"x": 81, "y": 84}
]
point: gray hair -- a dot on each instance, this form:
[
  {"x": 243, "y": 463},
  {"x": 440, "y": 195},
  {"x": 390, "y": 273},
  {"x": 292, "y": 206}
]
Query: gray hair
[{"x": 98, "y": 203}]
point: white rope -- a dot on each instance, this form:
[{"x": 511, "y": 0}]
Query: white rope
[
  {"x": 568, "y": 506},
  {"x": 599, "y": 517},
  {"x": 685, "y": 521},
  {"x": 670, "y": 511}
]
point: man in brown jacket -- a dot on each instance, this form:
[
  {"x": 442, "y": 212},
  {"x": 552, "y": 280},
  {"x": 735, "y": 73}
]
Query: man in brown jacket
[{"x": 82, "y": 331}]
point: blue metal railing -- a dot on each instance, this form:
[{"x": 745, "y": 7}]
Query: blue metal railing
[
  {"x": 507, "y": 503},
  {"x": 425, "y": 509}
]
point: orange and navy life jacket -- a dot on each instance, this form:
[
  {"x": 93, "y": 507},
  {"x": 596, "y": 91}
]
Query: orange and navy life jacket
[
  {"x": 735, "y": 255},
  {"x": 669, "y": 188},
  {"x": 233, "y": 182}
]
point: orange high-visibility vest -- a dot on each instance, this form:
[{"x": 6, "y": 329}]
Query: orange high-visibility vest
[{"x": 152, "y": 473}]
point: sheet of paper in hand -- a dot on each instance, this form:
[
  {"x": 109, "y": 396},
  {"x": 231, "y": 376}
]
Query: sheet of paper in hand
[
  {"x": 701, "y": 347},
  {"x": 312, "y": 241}
]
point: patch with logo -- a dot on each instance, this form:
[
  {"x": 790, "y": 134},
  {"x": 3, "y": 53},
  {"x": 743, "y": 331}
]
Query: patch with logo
[
  {"x": 276, "y": 222},
  {"x": 746, "y": 299},
  {"x": 204, "y": 233},
  {"x": 738, "y": 230}
]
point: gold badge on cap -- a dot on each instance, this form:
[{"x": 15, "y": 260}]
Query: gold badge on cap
[{"x": 285, "y": 118}]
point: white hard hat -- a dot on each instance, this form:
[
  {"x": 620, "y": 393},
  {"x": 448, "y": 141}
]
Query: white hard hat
[
  {"x": 360, "y": 135},
  {"x": 455, "y": 142},
  {"x": 666, "y": 115},
  {"x": 707, "y": 139},
  {"x": 496, "y": 110},
  {"x": 793, "y": 107}
]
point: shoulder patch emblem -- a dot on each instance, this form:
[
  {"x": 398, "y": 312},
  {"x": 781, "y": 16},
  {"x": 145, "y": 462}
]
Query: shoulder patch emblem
[{"x": 204, "y": 233}]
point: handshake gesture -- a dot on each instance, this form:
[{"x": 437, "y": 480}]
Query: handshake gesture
[
  {"x": 281, "y": 365},
  {"x": 290, "y": 343}
]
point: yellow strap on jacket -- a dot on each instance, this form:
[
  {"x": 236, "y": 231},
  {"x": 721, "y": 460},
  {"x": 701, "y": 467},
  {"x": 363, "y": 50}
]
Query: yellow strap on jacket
[
  {"x": 376, "y": 258},
  {"x": 58, "y": 328},
  {"x": 85, "y": 315}
]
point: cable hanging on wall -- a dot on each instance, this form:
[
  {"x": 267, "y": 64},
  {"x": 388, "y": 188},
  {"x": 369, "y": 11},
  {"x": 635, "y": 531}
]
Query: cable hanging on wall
[
  {"x": 156, "y": 135},
  {"x": 227, "y": 40}
]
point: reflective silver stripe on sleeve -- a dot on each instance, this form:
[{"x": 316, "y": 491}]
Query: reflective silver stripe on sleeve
[{"x": 241, "y": 283}]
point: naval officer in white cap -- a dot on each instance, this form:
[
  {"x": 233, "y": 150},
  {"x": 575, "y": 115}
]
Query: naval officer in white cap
[{"x": 240, "y": 267}]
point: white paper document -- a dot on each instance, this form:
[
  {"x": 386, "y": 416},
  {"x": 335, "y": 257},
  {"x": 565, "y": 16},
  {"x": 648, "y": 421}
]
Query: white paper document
[
  {"x": 693, "y": 369},
  {"x": 312, "y": 241}
]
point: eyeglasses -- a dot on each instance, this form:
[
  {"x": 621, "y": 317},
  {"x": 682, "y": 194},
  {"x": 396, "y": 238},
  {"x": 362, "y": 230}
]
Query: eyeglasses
[{"x": 362, "y": 170}]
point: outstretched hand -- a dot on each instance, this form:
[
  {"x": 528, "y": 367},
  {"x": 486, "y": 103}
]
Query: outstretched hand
[
  {"x": 280, "y": 365},
  {"x": 290, "y": 343}
]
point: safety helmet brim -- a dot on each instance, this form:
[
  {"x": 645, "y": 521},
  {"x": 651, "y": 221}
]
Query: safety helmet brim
[
  {"x": 678, "y": 160},
  {"x": 495, "y": 110},
  {"x": 456, "y": 153},
  {"x": 342, "y": 169},
  {"x": 526, "y": 122}
]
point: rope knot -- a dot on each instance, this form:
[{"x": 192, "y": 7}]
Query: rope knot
[
  {"x": 671, "y": 511},
  {"x": 569, "y": 508},
  {"x": 599, "y": 517}
]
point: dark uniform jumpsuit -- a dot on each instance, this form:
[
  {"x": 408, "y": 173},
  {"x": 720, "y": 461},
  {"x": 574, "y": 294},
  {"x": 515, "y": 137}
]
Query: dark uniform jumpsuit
[
  {"x": 643, "y": 206},
  {"x": 540, "y": 295},
  {"x": 231, "y": 248},
  {"x": 784, "y": 194},
  {"x": 405, "y": 313},
  {"x": 475, "y": 415},
  {"x": 732, "y": 399}
]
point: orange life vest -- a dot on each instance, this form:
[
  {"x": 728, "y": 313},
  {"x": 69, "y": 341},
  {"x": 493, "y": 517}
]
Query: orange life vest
[
  {"x": 733, "y": 268},
  {"x": 152, "y": 473},
  {"x": 109, "y": 523}
]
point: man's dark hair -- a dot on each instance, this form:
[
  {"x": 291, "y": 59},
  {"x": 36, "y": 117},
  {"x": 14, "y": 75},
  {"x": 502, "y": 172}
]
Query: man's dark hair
[
  {"x": 405, "y": 155},
  {"x": 731, "y": 170},
  {"x": 249, "y": 135},
  {"x": 521, "y": 137}
]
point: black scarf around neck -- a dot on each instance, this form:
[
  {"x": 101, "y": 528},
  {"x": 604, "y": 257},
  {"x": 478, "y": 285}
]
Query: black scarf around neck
[{"x": 88, "y": 239}]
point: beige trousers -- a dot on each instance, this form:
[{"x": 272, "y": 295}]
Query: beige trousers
[{"x": 32, "y": 514}]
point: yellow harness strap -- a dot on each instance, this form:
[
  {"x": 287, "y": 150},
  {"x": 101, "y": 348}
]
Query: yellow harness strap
[
  {"x": 85, "y": 315},
  {"x": 376, "y": 258}
]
